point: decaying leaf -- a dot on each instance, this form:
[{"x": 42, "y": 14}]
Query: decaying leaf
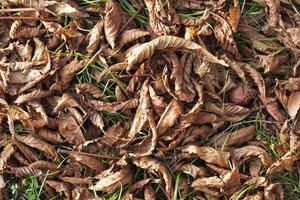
[
  {"x": 35, "y": 142},
  {"x": 111, "y": 180},
  {"x": 169, "y": 116},
  {"x": 112, "y": 22},
  {"x": 155, "y": 166},
  {"x": 208, "y": 154},
  {"x": 146, "y": 50}
]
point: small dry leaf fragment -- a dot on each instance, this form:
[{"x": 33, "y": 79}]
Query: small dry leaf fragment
[
  {"x": 37, "y": 143},
  {"x": 5, "y": 155},
  {"x": 112, "y": 22},
  {"x": 170, "y": 116},
  {"x": 293, "y": 104},
  {"x": 208, "y": 154},
  {"x": 110, "y": 180}
]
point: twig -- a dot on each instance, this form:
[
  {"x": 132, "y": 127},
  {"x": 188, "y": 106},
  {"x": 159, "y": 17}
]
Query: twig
[
  {"x": 88, "y": 154},
  {"x": 30, "y": 18},
  {"x": 18, "y": 9}
]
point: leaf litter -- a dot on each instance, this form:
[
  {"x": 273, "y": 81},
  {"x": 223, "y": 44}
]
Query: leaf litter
[{"x": 149, "y": 99}]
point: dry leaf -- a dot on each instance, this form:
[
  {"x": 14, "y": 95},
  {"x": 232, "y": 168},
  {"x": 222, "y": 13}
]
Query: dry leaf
[
  {"x": 208, "y": 154},
  {"x": 37, "y": 143},
  {"x": 112, "y": 22}
]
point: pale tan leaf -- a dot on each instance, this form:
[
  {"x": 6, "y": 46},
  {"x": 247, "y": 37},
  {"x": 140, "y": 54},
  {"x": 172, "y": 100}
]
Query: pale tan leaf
[
  {"x": 111, "y": 180},
  {"x": 146, "y": 50},
  {"x": 293, "y": 104},
  {"x": 95, "y": 36},
  {"x": 208, "y": 154},
  {"x": 112, "y": 22},
  {"x": 171, "y": 114},
  {"x": 131, "y": 35},
  {"x": 34, "y": 95},
  {"x": 141, "y": 114}
]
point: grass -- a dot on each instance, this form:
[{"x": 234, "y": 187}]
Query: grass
[{"x": 28, "y": 189}]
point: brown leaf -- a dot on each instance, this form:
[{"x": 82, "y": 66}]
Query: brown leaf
[
  {"x": 153, "y": 165},
  {"x": 34, "y": 95},
  {"x": 34, "y": 142},
  {"x": 171, "y": 114},
  {"x": 131, "y": 35},
  {"x": 246, "y": 152},
  {"x": 208, "y": 154},
  {"x": 293, "y": 104},
  {"x": 60, "y": 187},
  {"x": 157, "y": 102},
  {"x": 70, "y": 130},
  {"x": 286, "y": 162},
  {"x": 136, "y": 187},
  {"x": 146, "y": 50},
  {"x": 25, "y": 171},
  {"x": 242, "y": 94},
  {"x": 67, "y": 73},
  {"x": 112, "y": 22},
  {"x": 75, "y": 180},
  {"x": 95, "y": 36},
  {"x": 141, "y": 114},
  {"x": 5, "y": 155},
  {"x": 273, "y": 191},
  {"x": 236, "y": 137},
  {"x": 51, "y": 136},
  {"x": 89, "y": 89},
  {"x": 44, "y": 165},
  {"x": 111, "y": 180},
  {"x": 112, "y": 106},
  {"x": 234, "y": 15},
  {"x": 89, "y": 161},
  {"x": 193, "y": 170}
]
